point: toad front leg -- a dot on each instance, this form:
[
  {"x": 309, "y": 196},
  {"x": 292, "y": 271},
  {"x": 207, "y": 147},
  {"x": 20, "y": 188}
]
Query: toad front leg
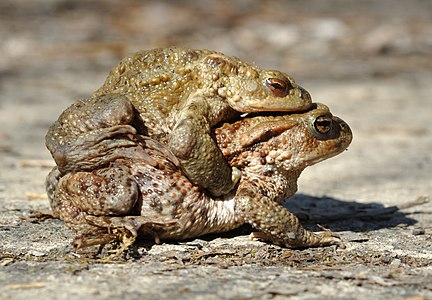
[
  {"x": 201, "y": 159},
  {"x": 90, "y": 132},
  {"x": 278, "y": 224}
]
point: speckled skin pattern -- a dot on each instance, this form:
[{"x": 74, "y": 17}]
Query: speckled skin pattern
[
  {"x": 175, "y": 96},
  {"x": 145, "y": 193}
]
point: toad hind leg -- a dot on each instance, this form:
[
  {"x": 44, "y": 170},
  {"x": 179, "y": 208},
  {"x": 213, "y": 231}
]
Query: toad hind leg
[
  {"x": 282, "y": 227},
  {"x": 82, "y": 195},
  {"x": 87, "y": 134},
  {"x": 107, "y": 191},
  {"x": 101, "y": 206}
]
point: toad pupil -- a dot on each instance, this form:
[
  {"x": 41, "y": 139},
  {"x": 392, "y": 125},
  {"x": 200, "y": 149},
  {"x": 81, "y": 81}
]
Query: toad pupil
[
  {"x": 279, "y": 87},
  {"x": 322, "y": 124}
]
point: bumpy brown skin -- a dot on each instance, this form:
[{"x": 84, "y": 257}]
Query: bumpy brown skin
[
  {"x": 150, "y": 196},
  {"x": 175, "y": 96}
]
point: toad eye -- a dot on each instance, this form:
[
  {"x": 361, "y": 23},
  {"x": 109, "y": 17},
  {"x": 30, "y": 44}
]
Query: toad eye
[
  {"x": 278, "y": 86},
  {"x": 322, "y": 124}
]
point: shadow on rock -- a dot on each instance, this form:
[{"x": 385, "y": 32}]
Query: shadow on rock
[
  {"x": 341, "y": 215},
  {"x": 334, "y": 214}
]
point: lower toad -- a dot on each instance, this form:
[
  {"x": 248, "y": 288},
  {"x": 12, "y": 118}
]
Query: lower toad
[{"x": 145, "y": 193}]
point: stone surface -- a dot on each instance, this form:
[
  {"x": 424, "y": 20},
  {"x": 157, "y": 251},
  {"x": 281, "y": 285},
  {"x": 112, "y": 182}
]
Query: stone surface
[{"x": 370, "y": 61}]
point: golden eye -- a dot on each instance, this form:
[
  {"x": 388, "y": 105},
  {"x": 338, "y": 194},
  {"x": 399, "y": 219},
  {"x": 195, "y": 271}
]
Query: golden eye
[
  {"x": 278, "y": 86},
  {"x": 323, "y": 124}
]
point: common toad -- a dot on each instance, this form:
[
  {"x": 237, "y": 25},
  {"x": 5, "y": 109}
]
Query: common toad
[
  {"x": 175, "y": 96},
  {"x": 147, "y": 194}
]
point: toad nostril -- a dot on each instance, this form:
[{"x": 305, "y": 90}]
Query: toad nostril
[
  {"x": 305, "y": 94},
  {"x": 289, "y": 85}
]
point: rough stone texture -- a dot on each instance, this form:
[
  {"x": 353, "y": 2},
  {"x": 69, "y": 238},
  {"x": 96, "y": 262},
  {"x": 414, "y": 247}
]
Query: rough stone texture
[{"x": 370, "y": 61}]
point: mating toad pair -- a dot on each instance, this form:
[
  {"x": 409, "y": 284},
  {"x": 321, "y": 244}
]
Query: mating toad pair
[{"x": 179, "y": 143}]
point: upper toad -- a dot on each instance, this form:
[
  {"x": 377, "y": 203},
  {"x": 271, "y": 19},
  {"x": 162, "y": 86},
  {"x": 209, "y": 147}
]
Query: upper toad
[{"x": 175, "y": 96}]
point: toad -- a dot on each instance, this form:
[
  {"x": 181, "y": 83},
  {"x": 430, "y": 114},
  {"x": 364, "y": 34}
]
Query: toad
[
  {"x": 174, "y": 96},
  {"x": 145, "y": 193}
]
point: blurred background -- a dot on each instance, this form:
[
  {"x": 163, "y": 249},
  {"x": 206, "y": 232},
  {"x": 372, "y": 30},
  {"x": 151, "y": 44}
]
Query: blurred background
[
  {"x": 312, "y": 39},
  {"x": 370, "y": 61}
]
